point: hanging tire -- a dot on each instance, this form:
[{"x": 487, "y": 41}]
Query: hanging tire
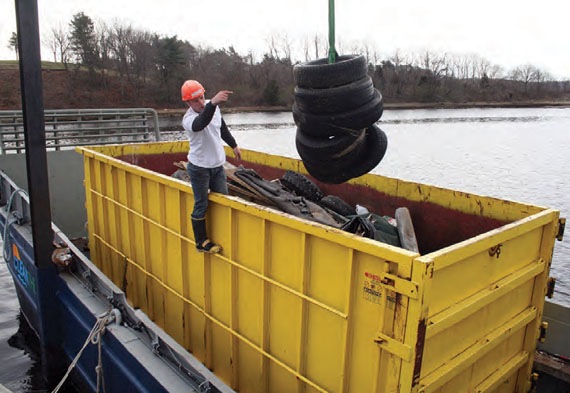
[
  {"x": 337, "y": 205},
  {"x": 333, "y": 170},
  {"x": 320, "y": 125},
  {"x": 375, "y": 146},
  {"x": 318, "y": 74},
  {"x": 341, "y": 98},
  {"x": 334, "y": 164},
  {"x": 327, "y": 147},
  {"x": 302, "y": 186},
  {"x": 340, "y": 176}
]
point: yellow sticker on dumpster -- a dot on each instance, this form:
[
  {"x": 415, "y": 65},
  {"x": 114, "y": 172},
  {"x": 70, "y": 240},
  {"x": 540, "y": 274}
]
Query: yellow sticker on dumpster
[{"x": 372, "y": 290}]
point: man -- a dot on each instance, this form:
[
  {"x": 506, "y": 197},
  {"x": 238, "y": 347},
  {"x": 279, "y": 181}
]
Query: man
[{"x": 206, "y": 129}]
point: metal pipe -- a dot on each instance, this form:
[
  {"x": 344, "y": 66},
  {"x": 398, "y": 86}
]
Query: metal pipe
[
  {"x": 34, "y": 129},
  {"x": 38, "y": 189},
  {"x": 332, "y": 50}
]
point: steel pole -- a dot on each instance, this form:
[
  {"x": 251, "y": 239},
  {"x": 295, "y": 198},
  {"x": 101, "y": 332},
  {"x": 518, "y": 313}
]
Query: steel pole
[
  {"x": 34, "y": 129},
  {"x": 38, "y": 190},
  {"x": 332, "y": 50}
]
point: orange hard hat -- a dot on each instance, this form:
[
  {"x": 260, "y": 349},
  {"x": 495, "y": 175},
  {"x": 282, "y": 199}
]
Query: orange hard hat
[{"x": 191, "y": 89}]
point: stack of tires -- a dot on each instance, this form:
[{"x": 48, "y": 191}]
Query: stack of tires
[{"x": 336, "y": 108}]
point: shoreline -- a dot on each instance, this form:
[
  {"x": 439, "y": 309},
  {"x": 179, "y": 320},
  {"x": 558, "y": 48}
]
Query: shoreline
[{"x": 397, "y": 106}]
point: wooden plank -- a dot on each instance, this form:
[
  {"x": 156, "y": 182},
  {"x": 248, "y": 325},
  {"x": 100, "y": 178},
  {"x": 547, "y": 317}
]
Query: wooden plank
[{"x": 557, "y": 367}]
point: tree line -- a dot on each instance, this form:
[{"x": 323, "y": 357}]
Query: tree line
[{"x": 138, "y": 63}]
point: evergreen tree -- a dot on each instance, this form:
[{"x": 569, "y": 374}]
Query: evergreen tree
[
  {"x": 169, "y": 61},
  {"x": 271, "y": 93},
  {"x": 169, "y": 57},
  {"x": 82, "y": 40},
  {"x": 13, "y": 43}
]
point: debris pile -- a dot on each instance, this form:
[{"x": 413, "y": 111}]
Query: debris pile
[{"x": 296, "y": 194}]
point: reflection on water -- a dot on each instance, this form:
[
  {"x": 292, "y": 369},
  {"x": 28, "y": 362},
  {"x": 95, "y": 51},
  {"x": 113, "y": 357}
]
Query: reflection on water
[
  {"x": 19, "y": 370},
  {"x": 20, "y": 363}
]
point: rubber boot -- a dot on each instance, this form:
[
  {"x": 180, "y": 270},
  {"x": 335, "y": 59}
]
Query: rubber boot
[{"x": 203, "y": 244}]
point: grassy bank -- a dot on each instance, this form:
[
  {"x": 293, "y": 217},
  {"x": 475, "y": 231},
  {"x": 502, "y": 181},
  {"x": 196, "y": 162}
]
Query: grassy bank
[{"x": 46, "y": 65}]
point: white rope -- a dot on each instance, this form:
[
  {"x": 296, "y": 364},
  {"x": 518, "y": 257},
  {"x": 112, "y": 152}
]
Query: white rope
[
  {"x": 93, "y": 338},
  {"x": 99, "y": 369},
  {"x": 7, "y": 239}
]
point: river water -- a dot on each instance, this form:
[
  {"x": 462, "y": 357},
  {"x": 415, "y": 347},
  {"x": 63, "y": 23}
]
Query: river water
[{"x": 516, "y": 154}]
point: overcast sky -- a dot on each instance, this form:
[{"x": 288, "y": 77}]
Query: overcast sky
[{"x": 505, "y": 32}]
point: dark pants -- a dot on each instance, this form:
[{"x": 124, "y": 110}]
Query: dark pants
[{"x": 202, "y": 180}]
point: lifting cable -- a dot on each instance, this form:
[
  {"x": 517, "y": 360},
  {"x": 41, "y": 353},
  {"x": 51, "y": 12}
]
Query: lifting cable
[
  {"x": 332, "y": 50},
  {"x": 337, "y": 138}
]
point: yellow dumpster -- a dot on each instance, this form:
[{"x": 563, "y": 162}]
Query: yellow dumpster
[{"x": 292, "y": 305}]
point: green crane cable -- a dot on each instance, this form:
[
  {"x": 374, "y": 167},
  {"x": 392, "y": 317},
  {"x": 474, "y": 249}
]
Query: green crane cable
[{"x": 332, "y": 51}]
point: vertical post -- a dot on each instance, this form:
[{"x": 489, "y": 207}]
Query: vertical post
[
  {"x": 38, "y": 190},
  {"x": 332, "y": 50},
  {"x": 34, "y": 129},
  {"x": 156, "y": 126}
]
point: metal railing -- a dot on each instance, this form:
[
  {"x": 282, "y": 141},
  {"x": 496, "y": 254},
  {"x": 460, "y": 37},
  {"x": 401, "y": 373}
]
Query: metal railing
[{"x": 67, "y": 128}]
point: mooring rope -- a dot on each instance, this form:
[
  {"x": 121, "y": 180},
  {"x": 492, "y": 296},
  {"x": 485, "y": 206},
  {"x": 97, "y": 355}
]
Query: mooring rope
[{"x": 94, "y": 338}]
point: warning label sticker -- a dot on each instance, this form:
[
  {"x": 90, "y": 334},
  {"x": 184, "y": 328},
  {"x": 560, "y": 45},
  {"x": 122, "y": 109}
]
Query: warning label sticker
[{"x": 372, "y": 290}]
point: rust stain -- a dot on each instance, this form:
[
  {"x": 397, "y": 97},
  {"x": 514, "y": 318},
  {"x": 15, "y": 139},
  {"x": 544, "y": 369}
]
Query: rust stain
[
  {"x": 481, "y": 208},
  {"x": 419, "y": 352}
]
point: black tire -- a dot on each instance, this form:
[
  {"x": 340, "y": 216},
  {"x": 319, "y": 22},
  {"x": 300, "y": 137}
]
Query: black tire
[
  {"x": 302, "y": 186},
  {"x": 320, "y": 125},
  {"x": 341, "y": 98},
  {"x": 375, "y": 144},
  {"x": 337, "y": 205},
  {"x": 327, "y": 147},
  {"x": 318, "y": 74},
  {"x": 318, "y": 173},
  {"x": 333, "y": 164},
  {"x": 333, "y": 170}
]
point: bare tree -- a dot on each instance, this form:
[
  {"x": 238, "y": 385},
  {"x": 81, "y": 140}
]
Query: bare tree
[
  {"x": 317, "y": 45},
  {"x": 495, "y": 71},
  {"x": 253, "y": 74},
  {"x": 376, "y": 57},
  {"x": 367, "y": 51},
  {"x": 483, "y": 67},
  {"x": 103, "y": 41},
  {"x": 541, "y": 76},
  {"x": 524, "y": 74},
  {"x": 121, "y": 36},
  {"x": 306, "y": 48},
  {"x": 272, "y": 44},
  {"x": 58, "y": 43},
  {"x": 436, "y": 64},
  {"x": 286, "y": 45},
  {"x": 141, "y": 53}
]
